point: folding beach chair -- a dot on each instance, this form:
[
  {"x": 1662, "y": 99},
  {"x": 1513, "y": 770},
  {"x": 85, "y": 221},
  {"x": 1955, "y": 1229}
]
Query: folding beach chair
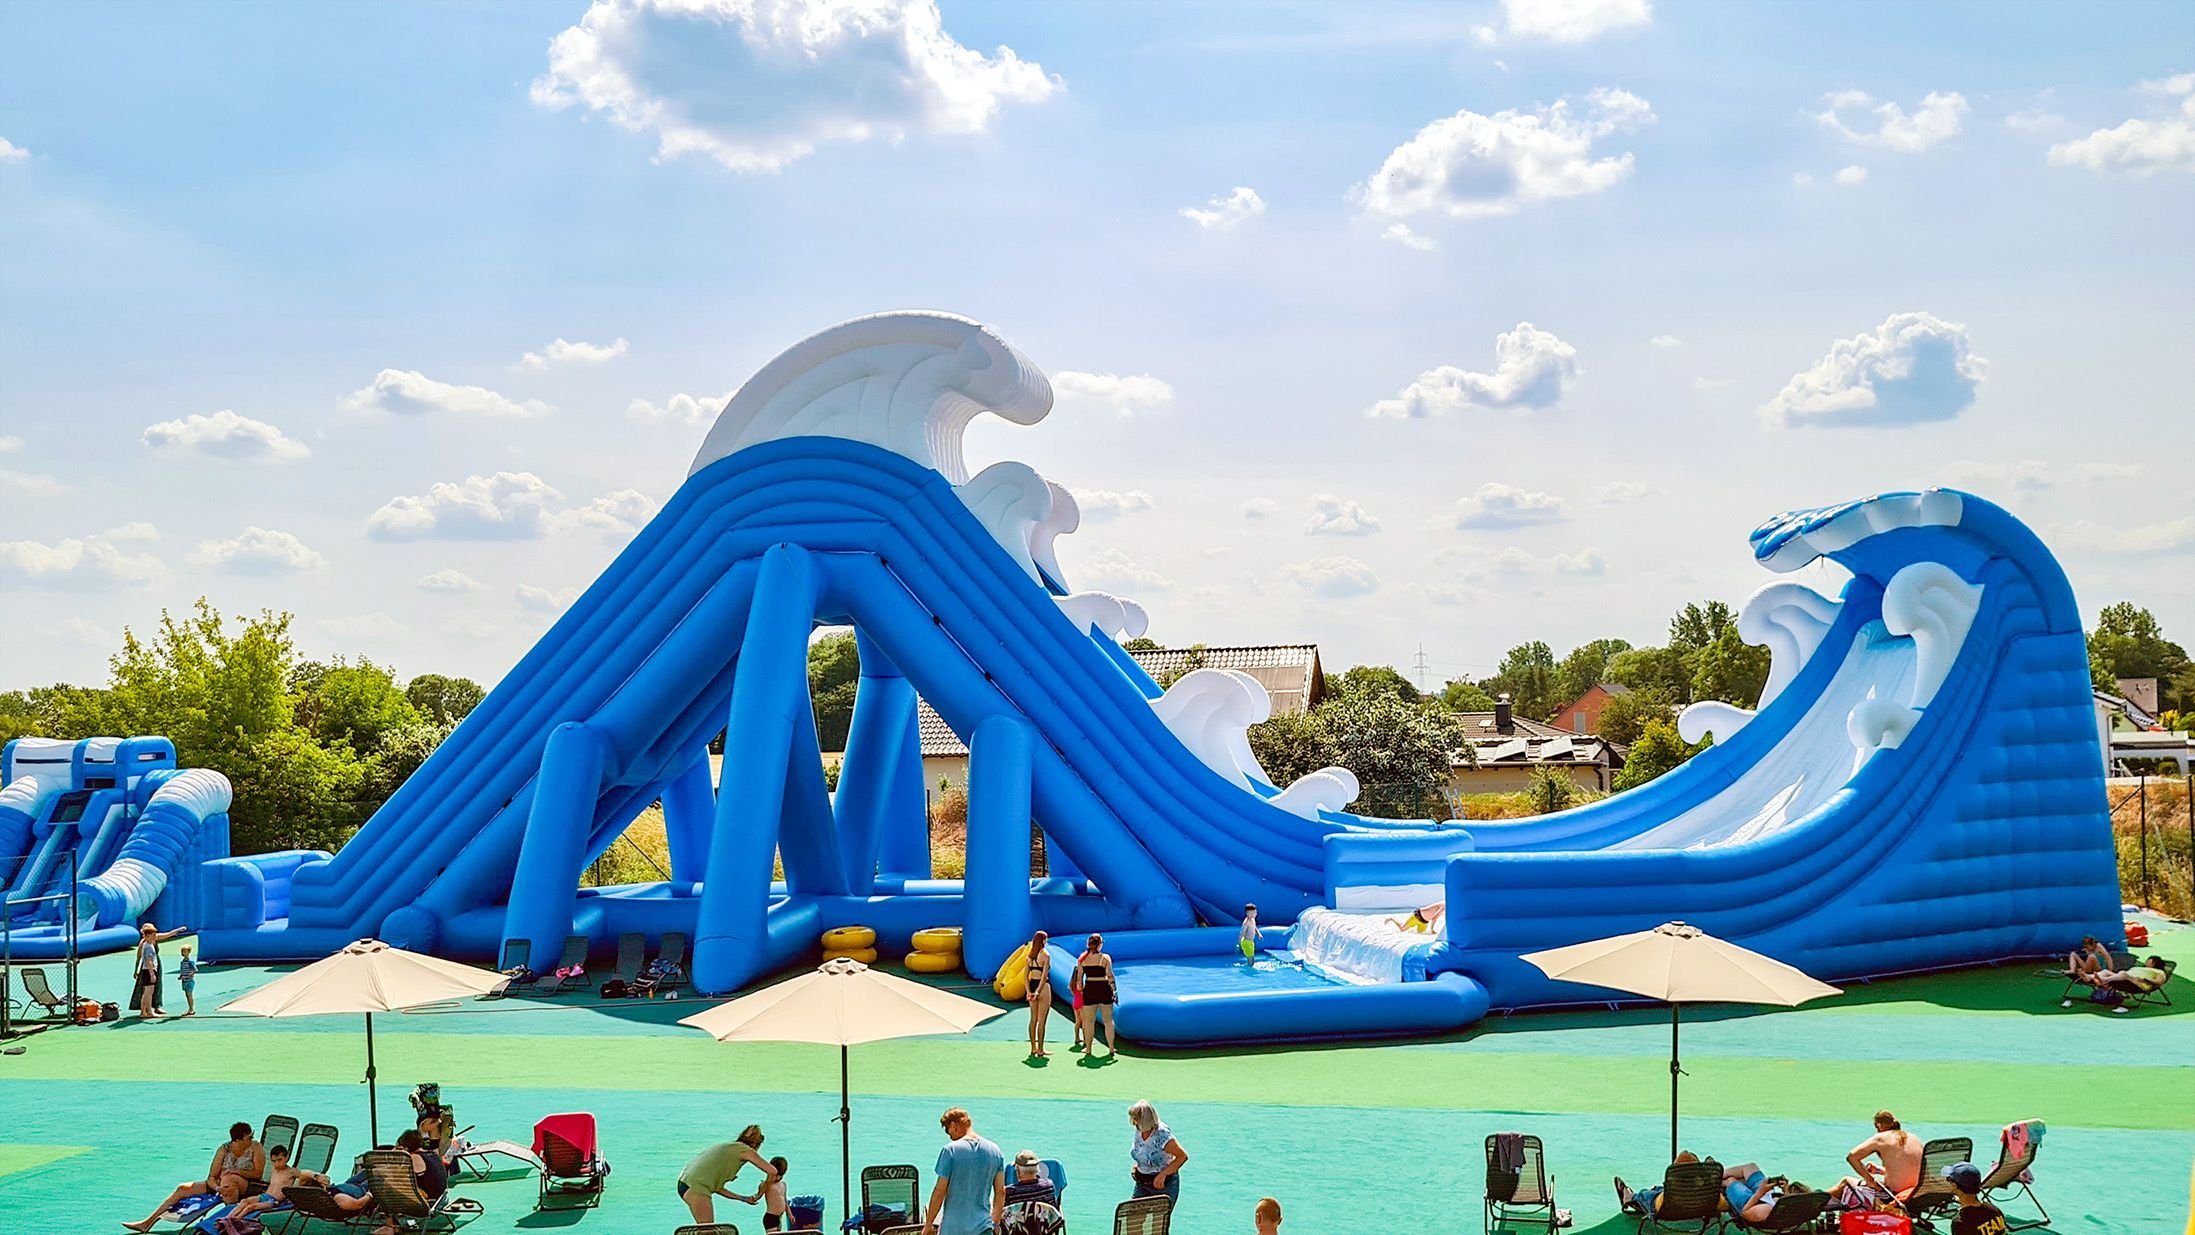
[
  {"x": 312, "y": 1207},
  {"x": 890, "y": 1196},
  {"x": 1522, "y": 1193},
  {"x": 315, "y": 1149},
  {"x": 517, "y": 958},
  {"x": 1033, "y": 1218},
  {"x": 396, "y": 1193},
  {"x": 1146, "y": 1215},
  {"x": 713, "y": 1228},
  {"x": 477, "y": 1160},
  {"x": 1057, "y": 1173},
  {"x": 2132, "y": 994},
  {"x": 41, "y": 993},
  {"x": 277, "y": 1130},
  {"x": 632, "y": 954},
  {"x": 1797, "y": 1211},
  {"x": 571, "y": 1161},
  {"x": 2007, "y": 1177},
  {"x": 673, "y": 953},
  {"x": 1691, "y": 1198},
  {"x": 1934, "y": 1193},
  {"x": 572, "y": 966}
]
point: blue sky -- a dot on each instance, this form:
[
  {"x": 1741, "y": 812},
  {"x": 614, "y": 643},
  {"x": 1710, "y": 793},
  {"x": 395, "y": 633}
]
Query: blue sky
[{"x": 1528, "y": 314}]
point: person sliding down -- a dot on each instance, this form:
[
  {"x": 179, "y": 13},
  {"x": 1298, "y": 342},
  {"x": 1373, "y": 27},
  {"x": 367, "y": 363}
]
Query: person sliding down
[
  {"x": 1249, "y": 932},
  {"x": 1424, "y": 921}
]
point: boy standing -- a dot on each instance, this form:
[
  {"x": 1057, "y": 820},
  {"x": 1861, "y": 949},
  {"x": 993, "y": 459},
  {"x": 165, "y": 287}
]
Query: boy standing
[{"x": 186, "y": 974}]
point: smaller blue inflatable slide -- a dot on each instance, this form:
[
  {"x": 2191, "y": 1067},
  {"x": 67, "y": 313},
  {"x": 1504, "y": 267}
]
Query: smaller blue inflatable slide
[{"x": 1921, "y": 785}]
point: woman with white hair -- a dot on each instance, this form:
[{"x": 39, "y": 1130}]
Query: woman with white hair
[{"x": 1156, "y": 1158}]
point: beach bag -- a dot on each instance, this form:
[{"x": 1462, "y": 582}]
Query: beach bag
[
  {"x": 804, "y": 1213},
  {"x": 1874, "y": 1223},
  {"x": 88, "y": 1012},
  {"x": 2137, "y": 935},
  {"x": 615, "y": 988},
  {"x": 110, "y": 1012}
]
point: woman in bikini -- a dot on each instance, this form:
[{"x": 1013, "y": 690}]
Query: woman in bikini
[
  {"x": 1094, "y": 982},
  {"x": 1039, "y": 983},
  {"x": 238, "y": 1162}
]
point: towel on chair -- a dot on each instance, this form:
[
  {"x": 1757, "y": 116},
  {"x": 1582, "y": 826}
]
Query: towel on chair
[{"x": 1509, "y": 1152}]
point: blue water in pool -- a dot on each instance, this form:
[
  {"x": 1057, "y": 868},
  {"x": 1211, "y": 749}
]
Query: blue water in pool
[{"x": 1203, "y": 975}]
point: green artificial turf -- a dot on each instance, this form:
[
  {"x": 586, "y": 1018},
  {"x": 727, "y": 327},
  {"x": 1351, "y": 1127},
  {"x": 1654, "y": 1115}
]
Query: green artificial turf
[{"x": 1353, "y": 1139}]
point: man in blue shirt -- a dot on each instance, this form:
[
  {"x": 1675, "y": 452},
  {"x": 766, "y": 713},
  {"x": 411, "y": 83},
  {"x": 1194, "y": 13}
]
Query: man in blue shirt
[{"x": 970, "y": 1196}]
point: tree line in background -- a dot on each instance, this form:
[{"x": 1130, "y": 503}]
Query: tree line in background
[{"x": 311, "y": 747}]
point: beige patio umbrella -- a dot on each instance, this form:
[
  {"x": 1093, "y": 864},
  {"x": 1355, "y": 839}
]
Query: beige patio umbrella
[
  {"x": 368, "y": 976},
  {"x": 1680, "y": 964},
  {"x": 844, "y": 1003}
]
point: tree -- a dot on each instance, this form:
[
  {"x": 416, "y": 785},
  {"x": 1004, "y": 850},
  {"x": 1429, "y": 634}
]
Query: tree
[
  {"x": 1550, "y": 790},
  {"x": 1291, "y": 745},
  {"x": 1697, "y": 625},
  {"x": 1401, "y": 751},
  {"x": 834, "y": 674},
  {"x": 1729, "y": 669},
  {"x": 443, "y": 700},
  {"x": 2128, "y": 643},
  {"x": 1659, "y": 671},
  {"x": 1658, "y": 750},
  {"x": 1527, "y": 676},
  {"x": 1585, "y": 668},
  {"x": 19, "y": 718},
  {"x": 1141, "y": 643},
  {"x": 1373, "y": 680},
  {"x": 355, "y": 704},
  {"x": 1464, "y": 696},
  {"x": 1627, "y": 714}
]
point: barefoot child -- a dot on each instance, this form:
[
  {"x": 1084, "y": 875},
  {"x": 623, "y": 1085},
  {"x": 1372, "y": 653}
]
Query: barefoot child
[
  {"x": 772, "y": 1196},
  {"x": 186, "y": 974},
  {"x": 1249, "y": 939}
]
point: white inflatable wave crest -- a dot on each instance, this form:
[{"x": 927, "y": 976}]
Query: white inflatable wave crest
[{"x": 1211, "y": 711}]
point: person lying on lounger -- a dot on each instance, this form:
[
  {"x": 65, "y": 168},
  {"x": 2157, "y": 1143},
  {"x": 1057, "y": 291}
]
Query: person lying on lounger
[
  {"x": 2090, "y": 958},
  {"x": 1647, "y": 1201},
  {"x": 280, "y": 1175},
  {"x": 1751, "y": 1192},
  {"x": 2145, "y": 977}
]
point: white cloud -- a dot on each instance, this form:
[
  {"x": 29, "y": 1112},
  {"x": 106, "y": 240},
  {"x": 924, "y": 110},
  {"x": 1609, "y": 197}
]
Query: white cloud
[
  {"x": 32, "y": 484},
  {"x": 1259, "y": 508},
  {"x": 83, "y": 631},
  {"x": 1854, "y": 174},
  {"x": 563, "y": 352},
  {"x": 1098, "y": 505},
  {"x": 1801, "y": 179},
  {"x": 1336, "y": 578},
  {"x": 93, "y": 564},
  {"x": 1532, "y": 370},
  {"x": 680, "y": 409},
  {"x": 448, "y": 582},
  {"x": 1583, "y": 562},
  {"x": 10, "y": 445},
  {"x": 1401, "y": 234},
  {"x": 12, "y": 153},
  {"x": 2177, "y": 536},
  {"x": 130, "y": 533},
  {"x": 1334, "y": 516},
  {"x": 1223, "y": 213},
  {"x": 2030, "y": 475},
  {"x": 505, "y": 506},
  {"x": 1913, "y": 369},
  {"x": 257, "y": 551},
  {"x": 1469, "y": 166},
  {"x": 1572, "y": 21},
  {"x": 2140, "y": 147},
  {"x": 1618, "y": 492},
  {"x": 1112, "y": 569},
  {"x": 410, "y": 393},
  {"x": 545, "y": 600},
  {"x": 2035, "y": 122},
  {"x": 374, "y": 627},
  {"x": 1666, "y": 341},
  {"x": 224, "y": 435},
  {"x": 1505, "y": 506},
  {"x": 1126, "y": 395},
  {"x": 1937, "y": 119},
  {"x": 758, "y": 84},
  {"x": 1448, "y": 593}
]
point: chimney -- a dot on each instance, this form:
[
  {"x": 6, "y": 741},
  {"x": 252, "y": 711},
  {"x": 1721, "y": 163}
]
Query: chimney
[{"x": 1502, "y": 721}]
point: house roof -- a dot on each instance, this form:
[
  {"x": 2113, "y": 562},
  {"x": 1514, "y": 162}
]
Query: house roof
[
  {"x": 1532, "y": 750},
  {"x": 1289, "y": 672},
  {"x": 1481, "y": 725}
]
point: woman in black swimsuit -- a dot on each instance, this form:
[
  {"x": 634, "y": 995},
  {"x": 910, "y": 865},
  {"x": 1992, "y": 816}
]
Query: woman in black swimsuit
[
  {"x": 1094, "y": 980},
  {"x": 1039, "y": 981}
]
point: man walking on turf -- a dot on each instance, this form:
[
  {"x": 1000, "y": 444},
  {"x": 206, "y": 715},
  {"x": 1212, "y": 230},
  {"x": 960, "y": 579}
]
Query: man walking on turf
[{"x": 970, "y": 1196}]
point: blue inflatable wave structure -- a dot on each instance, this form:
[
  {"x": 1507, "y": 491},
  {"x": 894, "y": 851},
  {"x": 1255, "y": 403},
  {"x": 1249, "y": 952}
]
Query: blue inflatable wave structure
[{"x": 1920, "y": 787}]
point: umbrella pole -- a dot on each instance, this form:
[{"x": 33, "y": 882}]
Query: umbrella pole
[
  {"x": 1674, "y": 1011},
  {"x": 845, "y": 1140},
  {"x": 373, "y": 1107}
]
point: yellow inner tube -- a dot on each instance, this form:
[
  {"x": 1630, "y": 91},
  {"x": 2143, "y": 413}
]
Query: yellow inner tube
[
  {"x": 1012, "y": 982},
  {"x": 933, "y": 962},
  {"x": 866, "y": 956},
  {"x": 848, "y": 938},
  {"x": 938, "y": 939}
]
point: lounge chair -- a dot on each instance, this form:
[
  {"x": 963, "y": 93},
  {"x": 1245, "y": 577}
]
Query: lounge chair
[
  {"x": 571, "y": 1161},
  {"x": 1691, "y": 1198},
  {"x": 396, "y": 1194},
  {"x": 897, "y": 1190},
  {"x": 572, "y": 965},
  {"x": 312, "y": 1206},
  {"x": 41, "y": 994},
  {"x": 632, "y": 954},
  {"x": 714, "y": 1228},
  {"x": 1934, "y": 1193},
  {"x": 517, "y": 955},
  {"x": 2005, "y": 1177},
  {"x": 1146, "y": 1215},
  {"x": 1033, "y": 1218},
  {"x": 1795, "y": 1211},
  {"x": 277, "y": 1130},
  {"x": 476, "y": 1160},
  {"x": 315, "y": 1149},
  {"x": 1522, "y": 1193},
  {"x": 673, "y": 953},
  {"x": 1057, "y": 1173}
]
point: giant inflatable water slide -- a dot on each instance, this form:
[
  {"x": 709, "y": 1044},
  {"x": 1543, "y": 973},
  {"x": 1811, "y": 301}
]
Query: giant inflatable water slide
[{"x": 1921, "y": 787}]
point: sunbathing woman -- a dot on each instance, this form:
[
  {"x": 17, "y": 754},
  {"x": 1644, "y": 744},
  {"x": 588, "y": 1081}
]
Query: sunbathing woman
[
  {"x": 238, "y": 1162},
  {"x": 2090, "y": 958}
]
